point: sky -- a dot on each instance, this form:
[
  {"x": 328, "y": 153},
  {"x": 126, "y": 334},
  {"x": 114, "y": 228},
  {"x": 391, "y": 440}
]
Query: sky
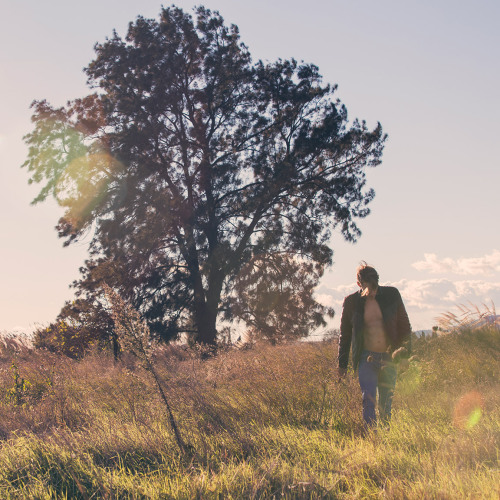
[{"x": 427, "y": 71}]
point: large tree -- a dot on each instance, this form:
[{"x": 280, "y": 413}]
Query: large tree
[{"x": 189, "y": 161}]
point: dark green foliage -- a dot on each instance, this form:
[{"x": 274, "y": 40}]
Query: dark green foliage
[{"x": 190, "y": 161}]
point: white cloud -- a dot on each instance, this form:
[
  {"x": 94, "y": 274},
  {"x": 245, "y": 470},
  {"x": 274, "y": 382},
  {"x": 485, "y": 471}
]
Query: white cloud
[
  {"x": 326, "y": 299},
  {"x": 484, "y": 265},
  {"x": 432, "y": 293},
  {"x": 334, "y": 296},
  {"x": 425, "y": 299},
  {"x": 423, "y": 294}
]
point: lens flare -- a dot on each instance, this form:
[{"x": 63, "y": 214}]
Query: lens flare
[
  {"x": 468, "y": 410},
  {"x": 474, "y": 418},
  {"x": 84, "y": 183}
]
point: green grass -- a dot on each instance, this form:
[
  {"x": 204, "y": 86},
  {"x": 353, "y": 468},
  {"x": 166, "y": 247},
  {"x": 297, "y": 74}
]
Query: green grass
[{"x": 266, "y": 422}]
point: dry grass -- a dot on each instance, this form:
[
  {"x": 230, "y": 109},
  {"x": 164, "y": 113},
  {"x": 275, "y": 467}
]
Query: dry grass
[
  {"x": 470, "y": 317},
  {"x": 265, "y": 422}
]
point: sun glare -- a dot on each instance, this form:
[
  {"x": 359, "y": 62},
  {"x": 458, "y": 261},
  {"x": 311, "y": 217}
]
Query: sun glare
[
  {"x": 468, "y": 410},
  {"x": 85, "y": 181}
]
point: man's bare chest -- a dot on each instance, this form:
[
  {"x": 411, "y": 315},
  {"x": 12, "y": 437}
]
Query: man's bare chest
[
  {"x": 374, "y": 331},
  {"x": 372, "y": 312}
]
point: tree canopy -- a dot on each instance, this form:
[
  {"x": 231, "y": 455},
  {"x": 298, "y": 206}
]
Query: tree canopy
[{"x": 189, "y": 163}]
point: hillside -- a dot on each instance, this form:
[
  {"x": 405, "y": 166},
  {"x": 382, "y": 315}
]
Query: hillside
[{"x": 264, "y": 422}]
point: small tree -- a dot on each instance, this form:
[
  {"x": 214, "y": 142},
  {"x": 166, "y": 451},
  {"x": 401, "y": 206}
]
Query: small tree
[
  {"x": 134, "y": 336},
  {"x": 80, "y": 325}
]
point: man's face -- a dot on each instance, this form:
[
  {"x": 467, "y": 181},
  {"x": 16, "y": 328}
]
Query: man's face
[{"x": 365, "y": 289}]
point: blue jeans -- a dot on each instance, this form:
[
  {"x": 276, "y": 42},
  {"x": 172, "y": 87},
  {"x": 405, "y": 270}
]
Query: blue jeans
[{"x": 376, "y": 371}]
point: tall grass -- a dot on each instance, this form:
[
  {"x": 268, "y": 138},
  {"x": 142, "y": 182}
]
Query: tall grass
[{"x": 266, "y": 422}]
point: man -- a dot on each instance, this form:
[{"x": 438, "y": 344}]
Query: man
[{"x": 374, "y": 322}]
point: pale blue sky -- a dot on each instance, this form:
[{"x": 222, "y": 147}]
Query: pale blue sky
[{"x": 428, "y": 71}]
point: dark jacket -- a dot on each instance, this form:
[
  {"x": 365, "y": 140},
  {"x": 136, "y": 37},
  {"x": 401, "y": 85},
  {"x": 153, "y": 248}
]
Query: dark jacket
[{"x": 396, "y": 322}]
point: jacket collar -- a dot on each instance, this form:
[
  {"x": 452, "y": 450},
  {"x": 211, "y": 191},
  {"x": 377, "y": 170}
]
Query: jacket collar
[{"x": 380, "y": 291}]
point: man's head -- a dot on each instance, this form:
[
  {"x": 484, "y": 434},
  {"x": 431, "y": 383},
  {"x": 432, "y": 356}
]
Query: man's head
[{"x": 367, "y": 276}]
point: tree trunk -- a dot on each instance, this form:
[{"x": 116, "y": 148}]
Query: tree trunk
[
  {"x": 206, "y": 323},
  {"x": 206, "y": 311}
]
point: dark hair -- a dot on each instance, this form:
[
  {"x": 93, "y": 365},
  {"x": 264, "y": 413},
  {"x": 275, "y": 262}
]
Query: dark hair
[{"x": 367, "y": 274}]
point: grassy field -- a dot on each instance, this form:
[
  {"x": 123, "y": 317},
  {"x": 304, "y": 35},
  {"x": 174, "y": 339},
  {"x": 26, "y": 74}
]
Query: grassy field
[{"x": 264, "y": 422}]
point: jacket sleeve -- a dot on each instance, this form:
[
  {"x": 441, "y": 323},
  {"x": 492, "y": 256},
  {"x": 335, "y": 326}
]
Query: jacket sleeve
[
  {"x": 404, "y": 327},
  {"x": 345, "y": 334}
]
